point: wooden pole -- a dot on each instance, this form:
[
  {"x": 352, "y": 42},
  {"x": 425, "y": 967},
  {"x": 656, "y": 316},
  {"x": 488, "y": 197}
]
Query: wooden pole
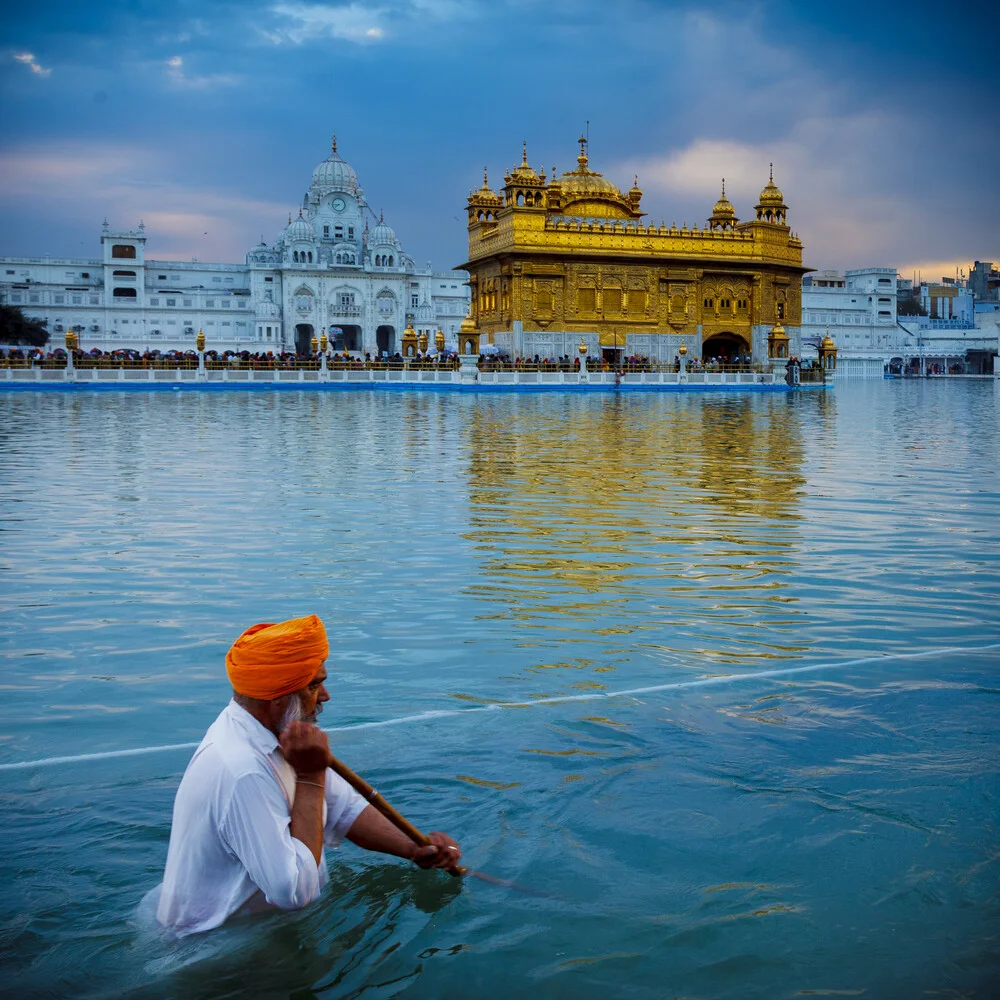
[{"x": 397, "y": 819}]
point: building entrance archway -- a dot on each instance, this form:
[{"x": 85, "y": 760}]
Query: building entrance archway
[
  {"x": 345, "y": 338},
  {"x": 303, "y": 338},
  {"x": 729, "y": 347},
  {"x": 385, "y": 339}
]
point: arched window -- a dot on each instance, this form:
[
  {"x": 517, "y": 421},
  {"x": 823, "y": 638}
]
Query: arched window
[
  {"x": 123, "y": 274},
  {"x": 124, "y": 293},
  {"x": 310, "y": 256},
  {"x": 119, "y": 250},
  {"x": 390, "y": 260},
  {"x": 339, "y": 261}
]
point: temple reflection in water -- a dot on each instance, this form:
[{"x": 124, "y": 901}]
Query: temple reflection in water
[{"x": 658, "y": 513}]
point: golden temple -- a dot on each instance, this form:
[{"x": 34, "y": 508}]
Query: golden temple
[{"x": 553, "y": 261}]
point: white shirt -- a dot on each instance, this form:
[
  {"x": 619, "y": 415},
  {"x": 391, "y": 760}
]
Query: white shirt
[{"x": 231, "y": 848}]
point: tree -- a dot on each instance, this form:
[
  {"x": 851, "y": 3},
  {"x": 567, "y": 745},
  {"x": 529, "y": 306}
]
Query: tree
[{"x": 16, "y": 328}]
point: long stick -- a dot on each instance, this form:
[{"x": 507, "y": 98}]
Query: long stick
[{"x": 398, "y": 820}]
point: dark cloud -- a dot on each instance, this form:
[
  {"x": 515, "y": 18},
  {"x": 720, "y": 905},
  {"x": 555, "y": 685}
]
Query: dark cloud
[{"x": 877, "y": 116}]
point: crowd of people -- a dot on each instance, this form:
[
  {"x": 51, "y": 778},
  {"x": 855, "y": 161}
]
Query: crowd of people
[{"x": 216, "y": 360}]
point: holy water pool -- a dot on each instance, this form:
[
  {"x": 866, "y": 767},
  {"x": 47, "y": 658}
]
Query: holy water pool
[{"x": 823, "y": 833}]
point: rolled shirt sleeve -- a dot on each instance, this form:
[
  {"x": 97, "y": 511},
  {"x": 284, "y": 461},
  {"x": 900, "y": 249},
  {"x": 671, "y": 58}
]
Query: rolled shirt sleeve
[
  {"x": 343, "y": 806},
  {"x": 256, "y": 828}
]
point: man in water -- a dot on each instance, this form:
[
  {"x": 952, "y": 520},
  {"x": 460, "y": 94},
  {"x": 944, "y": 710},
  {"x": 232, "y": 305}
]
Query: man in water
[{"x": 258, "y": 802}]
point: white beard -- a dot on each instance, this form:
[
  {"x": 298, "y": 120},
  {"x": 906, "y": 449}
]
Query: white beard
[{"x": 292, "y": 713}]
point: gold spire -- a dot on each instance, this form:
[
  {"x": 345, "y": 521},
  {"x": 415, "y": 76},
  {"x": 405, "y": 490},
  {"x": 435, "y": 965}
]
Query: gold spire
[
  {"x": 333, "y": 143},
  {"x": 524, "y": 154},
  {"x": 582, "y": 158}
]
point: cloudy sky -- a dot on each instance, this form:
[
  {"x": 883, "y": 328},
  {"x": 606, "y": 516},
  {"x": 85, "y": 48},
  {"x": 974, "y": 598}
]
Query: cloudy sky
[{"x": 205, "y": 118}]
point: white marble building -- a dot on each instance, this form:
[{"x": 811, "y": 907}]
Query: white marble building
[
  {"x": 858, "y": 309},
  {"x": 336, "y": 268}
]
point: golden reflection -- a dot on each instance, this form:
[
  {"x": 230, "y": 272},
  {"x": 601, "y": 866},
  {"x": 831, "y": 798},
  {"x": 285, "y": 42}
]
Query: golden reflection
[
  {"x": 498, "y": 786},
  {"x": 580, "y": 507}
]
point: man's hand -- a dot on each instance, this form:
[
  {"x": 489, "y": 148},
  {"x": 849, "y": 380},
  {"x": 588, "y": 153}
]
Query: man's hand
[
  {"x": 441, "y": 852},
  {"x": 307, "y": 749}
]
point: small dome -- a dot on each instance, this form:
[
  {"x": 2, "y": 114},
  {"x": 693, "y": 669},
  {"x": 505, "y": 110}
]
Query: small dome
[
  {"x": 771, "y": 195},
  {"x": 335, "y": 173},
  {"x": 300, "y": 229},
  {"x": 267, "y": 310},
  {"x": 382, "y": 234},
  {"x": 828, "y": 344},
  {"x": 724, "y": 207}
]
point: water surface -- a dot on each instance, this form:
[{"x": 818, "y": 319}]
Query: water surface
[{"x": 823, "y": 833}]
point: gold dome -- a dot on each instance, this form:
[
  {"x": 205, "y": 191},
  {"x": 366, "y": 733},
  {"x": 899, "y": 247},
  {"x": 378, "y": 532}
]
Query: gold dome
[
  {"x": 827, "y": 343},
  {"x": 771, "y": 195},
  {"x": 599, "y": 196},
  {"x": 724, "y": 207},
  {"x": 468, "y": 324},
  {"x": 524, "y": 174}
]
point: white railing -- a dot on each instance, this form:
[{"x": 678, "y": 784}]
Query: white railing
[{"x": 238, "y": 376}]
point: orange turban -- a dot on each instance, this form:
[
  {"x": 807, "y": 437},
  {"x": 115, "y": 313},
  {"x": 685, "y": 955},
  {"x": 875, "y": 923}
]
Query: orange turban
[{"x": 269, "y": 661}]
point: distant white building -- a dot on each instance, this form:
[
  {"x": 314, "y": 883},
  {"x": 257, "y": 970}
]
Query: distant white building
[
  {"x": 334, "y": 269},
  {"x": 857, "y": 307}
]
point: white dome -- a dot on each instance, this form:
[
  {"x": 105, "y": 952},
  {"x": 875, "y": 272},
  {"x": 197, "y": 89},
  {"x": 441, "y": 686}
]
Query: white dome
[
  {"x": 335, "y": 173},
  {"x": 299, "y": 229},
  {"x": 382, "y": 235},
  {"x": 267, "y": 310}
]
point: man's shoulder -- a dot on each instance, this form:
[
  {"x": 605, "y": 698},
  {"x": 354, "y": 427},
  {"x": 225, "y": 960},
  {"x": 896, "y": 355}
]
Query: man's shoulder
[{"x": 228, "y": 750}]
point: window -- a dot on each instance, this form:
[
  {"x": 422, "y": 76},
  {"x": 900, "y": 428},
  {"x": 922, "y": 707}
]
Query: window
[
  {"x": 350, "y": 232},
  {"x": 154, "y": 302},
  {"x": 414, "y": 301},
  {"x": 69, "y": 274},
  {"x": 83, "y": 274},
  {"x": 175, "y": 277},
  {"x": 229, "y": 281},
  {"x": 588, "y": 299},
  {"x": 187, "y": 303},
  {"x": 10, "y": 272},
  {"x": 124, "y": 293},
  {"x": 171, "y": 302},
  {"x": 33, "y": 297},
  {"x": 16, "y": 297},
  {"x": 123, "y": 274},
  {"x": 708, "y": 303},
  {"x": 124, "y": 252},
  {"x": 209, "y": 303},
  {"x": 226, "y": 304},
  {"x": 77, "y": 300},
  {"x": 171, "y": 322},
  {"x": 241, "y": 304},
  {"x": 338, "y": 232},
  {"x": 612, "y": 299},
  {"x": 59, "y": 299},
  {"x": 161, "y": 277},
  {"x": 326, "y": 232},
  {"x": 269, "y": 279},
  {"x": 217, "y": 279},
  {"x": 226, "y": 322},
  {"x": 636, "y": 300}
]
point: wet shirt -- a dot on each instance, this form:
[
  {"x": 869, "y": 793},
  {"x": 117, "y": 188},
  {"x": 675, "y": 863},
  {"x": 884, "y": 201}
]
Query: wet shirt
[{"x": 231, "y": 848}]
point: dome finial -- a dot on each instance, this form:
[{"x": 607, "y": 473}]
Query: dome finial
[
  {"x": 524, "y": 154},
  {"x": 333, "y": 143},
  {"x": 486, "y": 179},
  {"x": 723, "y": 187},
  {"x": 771, "y": 177},
  {"x": 582, "y": 158}
]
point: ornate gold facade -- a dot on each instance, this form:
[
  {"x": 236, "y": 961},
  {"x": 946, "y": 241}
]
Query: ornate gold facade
[{"x": 571, "y": 253}]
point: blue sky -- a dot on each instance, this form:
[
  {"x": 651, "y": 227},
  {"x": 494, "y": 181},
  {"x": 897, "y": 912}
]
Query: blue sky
[{"x": 206, "y": 119}]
